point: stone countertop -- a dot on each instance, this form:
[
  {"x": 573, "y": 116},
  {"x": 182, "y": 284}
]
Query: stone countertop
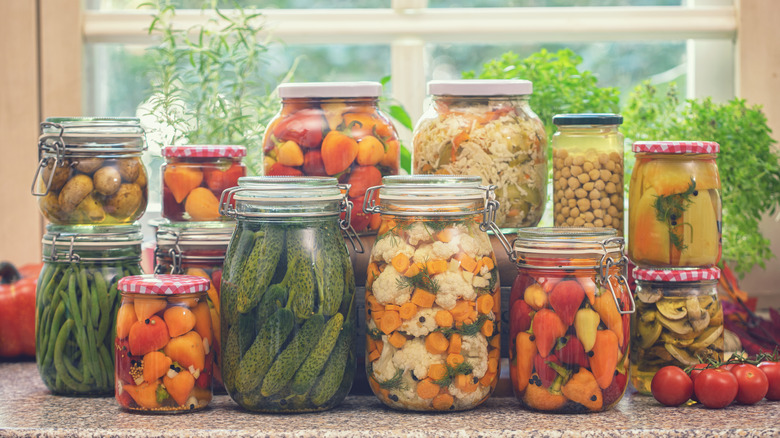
[{"x": 28, "y": 409}]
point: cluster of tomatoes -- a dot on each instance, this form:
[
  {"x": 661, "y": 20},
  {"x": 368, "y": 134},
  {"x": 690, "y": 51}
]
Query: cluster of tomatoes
[{"x": 717, "y": 385}]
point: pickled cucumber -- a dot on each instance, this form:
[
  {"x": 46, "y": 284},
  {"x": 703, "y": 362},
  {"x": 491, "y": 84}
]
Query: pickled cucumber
[
  {"x": 257, "y": 360},
  {"x": 293, "y": 356},
  {"x": 334, "y": 371},
  {"x": 259, "y": 268},
  {"x": 304, "y": 377}
]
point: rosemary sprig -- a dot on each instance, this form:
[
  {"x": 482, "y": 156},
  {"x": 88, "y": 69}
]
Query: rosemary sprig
[{"x": 669, "y": 210}]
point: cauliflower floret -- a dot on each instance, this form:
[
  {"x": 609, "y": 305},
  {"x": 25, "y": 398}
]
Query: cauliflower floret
[
  {"x": 480, "y": 281},
  {"x": 384, "y": 368},
  {"x": 415, "y": 357},
  {"x": 475, "y": 247},
  {"x": 388, "y": 247},
  {"x": 419, "y": 232},
  {"x": 421, "y": 324},
  {"x": 423, "y": 253},
  {"x": 444, "y": 251},
  {"x": 387, "y": 288},
  {"x": 451, "y": 287},
  {"x": 474, "y": 349},
  {"x": 407, "y": 394},
  {"x": 465, "y": 400}
]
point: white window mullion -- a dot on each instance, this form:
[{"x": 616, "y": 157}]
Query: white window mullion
[{"x": 711, "y": 63}]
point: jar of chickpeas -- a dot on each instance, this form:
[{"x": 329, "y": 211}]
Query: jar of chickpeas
[{"x": 588, "y": 171}]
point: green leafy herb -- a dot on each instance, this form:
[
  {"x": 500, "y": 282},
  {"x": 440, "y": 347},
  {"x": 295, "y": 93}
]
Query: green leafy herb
[
  {"x": 394, "y": 382},
  {"x": 669, "y": 210},
  {"x": 462, "y": 368},
  {"x": 375, "y": 334},
  {"x": 465, "y": 329},
  {"x": 422, "y": 279}
]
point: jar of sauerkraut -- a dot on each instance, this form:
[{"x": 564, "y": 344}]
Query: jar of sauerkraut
[{"x": 487, "y": 128}]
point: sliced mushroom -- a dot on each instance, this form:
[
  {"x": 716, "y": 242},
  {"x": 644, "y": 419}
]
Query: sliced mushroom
[
  {"x": 716, "y": 318},
  {"x": 694, "y": 310},
  {"x": 672, "y": 309},
  {"x": 648, "y": 333},
  {"x": 707, "y": 338},
  {"x": 681, "y": 355},
  {"x": 701, "y": 323},
  {"x": 681, "y": 327},
  {"x": 647, "y": 316},
  {"x": 649, "y": 295},
  {"x": 676, "y": 341},
  {"x": 660, "y": 352}
]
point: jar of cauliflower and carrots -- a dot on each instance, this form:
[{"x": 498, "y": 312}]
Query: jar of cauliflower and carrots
[
  {"x": 432, "y": 294},
  {"x": 487, "y": 128},
  {"x": 569, "y": 320}
]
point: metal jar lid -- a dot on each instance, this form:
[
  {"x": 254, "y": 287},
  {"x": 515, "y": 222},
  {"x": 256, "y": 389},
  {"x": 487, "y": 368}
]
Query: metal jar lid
[{"x": 68, "y": 243}]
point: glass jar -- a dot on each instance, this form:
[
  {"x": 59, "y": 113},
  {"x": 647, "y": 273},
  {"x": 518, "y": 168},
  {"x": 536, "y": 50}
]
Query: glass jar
[
  {"x": 588, "y": 171},
  {"x": 486, "y": 128},
  {"x": 194, "y": 177},
  {"x": 77, "y": 302},
  {"x": 678, "y": 321},
  {"x": 433, "y": 296},
  {"x": 674, "y": 214},
  {"x": 288, "y": 295},
  {"x": 569, "y": 319},
  {"x": 333, "y": 129},
  {"x": 164, "y": 357},
  {"x": 90, "y": 171},
  {"x": 196, "y": 249}
]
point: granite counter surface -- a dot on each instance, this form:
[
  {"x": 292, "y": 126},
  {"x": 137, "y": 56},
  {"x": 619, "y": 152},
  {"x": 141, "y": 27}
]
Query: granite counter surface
[{"x": 28, "y": 409}]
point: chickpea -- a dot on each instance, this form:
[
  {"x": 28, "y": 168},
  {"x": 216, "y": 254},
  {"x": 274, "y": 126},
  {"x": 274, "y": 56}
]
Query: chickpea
[
  {"x": 606, "y": 174},
  {"x": 595, "y": 203},
  {"x": 616, "y": 157},
  {"x": 598, "y": 223},
  {"x": 599, "y": 213},
  {"x": 612, "y": 210},
  {"x": 572, "y": 202},
  {"x": 563, "y": 153},
  {"x": 568, "y": 193},
  {"x": 588, "y": 186},
  {"x": 578, "y": 222},
  {"x": 589, "y": 216},
  {"x": 557, "y": 208},
  {"x": 616, "y": 199},
  {"x": 594, "y": 194},
  {"x": 579, "y": 160},
  {"x": 583, "y": 204},
  {"x": 567, "y": 161},
  {"x": 594, "y": 174},
  {"x": 558, "y": 196},
  {"x": 607, "y": 220},
  {"x": 565, "y": 210},
  {"x": 603, "y": 158},
  {"x": 610, "y": 166},
  {"x": 583, "y": 178},
  {"x": 605, "y": 203},
  {"x": 570, "y": 221},
  {"x": 588, "y": 225},
  {"x": 615, "y": 178},
  {"x": 559, "y": 219},
  {"x": 557, "y": 175},
  {"x": 574, "y": 212},
  {"x": 587, "y": 167},
  {"x": 566, "y": 172},
  {"x": 574, "y": 183},
  {"x": 599, "y": 185},
  {"x": 581, "y": 192},
  {"x": 576, "y": 170}
]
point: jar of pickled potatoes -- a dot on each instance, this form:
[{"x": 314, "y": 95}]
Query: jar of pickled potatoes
[
  {"x": 90, "y": 171},
  {"x": 569, "y": 320},
  {"x": 334, "y": 129},
  {"x": 77, "y": 302},
  {"x": 164, "y": 354},
  {"x": 433, "y": 295},
  {"x": 487, "y": 128},
  {"x": 288, "y": 295},
  {"x": 588, "y": 171},
  {"x": 194, "y": 177},
  {"x": 674, "y": 215},
  {"x": 679, "y": 321}
]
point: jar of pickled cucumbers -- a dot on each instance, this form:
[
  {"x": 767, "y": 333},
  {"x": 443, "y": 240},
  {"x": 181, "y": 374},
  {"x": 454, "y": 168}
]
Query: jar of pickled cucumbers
[
  {"x": 334, "y": 129},
  {"x": 196, "y": 248},
  {"x": 674, "y": 215},
  {"x": 194, "y": 177},
  {"x": 164, "y": 357},
  {"x": 588, "y": 171},
  {"x": 90, "y": 171},
  {"x": 678, "y": 321},
  {"x": 77, "y": 302},
  {"x": 287, "y": 303},
  {"x": 569, "y": 319},
  {"x": 433, "y": 297},
  {"x": 487, "y": 128}
]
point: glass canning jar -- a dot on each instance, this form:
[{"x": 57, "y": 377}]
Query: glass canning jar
[
  {"x": 674, "y": 214},
  {"x": 678, "y": 320},
  {"x": 194, "y": 177},
  {"x": 90, "y": 171},
  {"x": 288, "y": 319},
  {"x": 487, "y": 128},
  {"x": 77, "y": 303},
  {"x": 588, "y": 171},
  {"x": 333, "y": 129},
  {"x": 569, "y": 319},
  {"x": 433, "y": 296},
  {"x": 163, "y": 341}
]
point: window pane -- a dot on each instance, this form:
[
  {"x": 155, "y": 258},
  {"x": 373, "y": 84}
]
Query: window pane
[
  {"x": 544, "y": 3},
  {"x": 226, "y": 4}
]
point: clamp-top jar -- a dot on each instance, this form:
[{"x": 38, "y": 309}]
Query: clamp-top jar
[
  {"x": 433, "y": 298},
  {"x": 487, "y": 128},
  {"x": 90, "y": 171},
  {"x": 569, "y": 319},
  {"x": 77, "y": 302},
  {"x": 288, "y": 318}
]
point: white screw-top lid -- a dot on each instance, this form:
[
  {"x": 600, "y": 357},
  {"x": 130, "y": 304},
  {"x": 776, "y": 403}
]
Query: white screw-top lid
[
  {"x": 481, "y": 87},
  {"x": 329, "y": 89}
]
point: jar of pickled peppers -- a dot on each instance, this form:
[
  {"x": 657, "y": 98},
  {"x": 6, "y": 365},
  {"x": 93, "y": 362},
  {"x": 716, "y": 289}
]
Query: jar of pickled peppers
[
  {"x": 678, "y": 321},
  {"x": 163, "y": 341},
  {"x": 674, "y": 217},
  {"x": 333, "y": 129},
  {"x": 433, "y": 298},
  {"x": 569, "y": 320}
]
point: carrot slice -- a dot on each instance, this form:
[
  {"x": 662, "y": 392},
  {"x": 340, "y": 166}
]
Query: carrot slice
[
  {"x": 400, "y": 262},
  {"x": 462, "y": 310},
  {"x": 408, "y": 310},
  {"x": 487, "y": 328},
  {"x": 444, "y": 318},
  {"x": 436, "y": 343},
  {"x": 485, "y": 304},
  {"x": 455, "y": 343},
  {"x": 427, "y": 389},
  {"x": 442, "y": 402},
  {"x": 437, "y": 371},
  {"x": 455, "y": 359},
  {"x": 390, "y": 321},
  {"x": 436, "y": 266},
  {"x": 423, "y": 298},
  {"x": 397, "y": 340},
  {"x": 466, "y": 262}
]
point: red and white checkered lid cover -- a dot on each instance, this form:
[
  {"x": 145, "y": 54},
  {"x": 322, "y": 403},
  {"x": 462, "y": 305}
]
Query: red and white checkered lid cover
[
  {"x": 204, "y": 151},
  {"x": 163, "y": 284},
  {"x": 676, "y": 274},
  {"x": 677, "y": 147}
]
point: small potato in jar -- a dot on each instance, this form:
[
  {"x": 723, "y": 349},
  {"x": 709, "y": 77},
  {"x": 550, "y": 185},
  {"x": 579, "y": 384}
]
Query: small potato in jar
[
  {"x": 141, "y": 180},
  {"x": 74, "y": 191},
  {"x": 129, "y": 168},
  {"x": 88, "y": 165},
  {"x": 125, "y": 202},
  {"x": 107, "y": 180},
  {"x": 50, "y": 206},
  {"x": 88, "y": 211},
  {"x": 61, "y": 175}
]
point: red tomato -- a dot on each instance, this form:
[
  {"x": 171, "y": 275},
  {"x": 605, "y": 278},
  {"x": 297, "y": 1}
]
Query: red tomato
[
  {"x": 277, "y": 169},
  {"x": 716, "y": 388},
  {"x": 753, "y": 384},
  {"x": 363, "y": 177},
  {"x": 671, "y": 386},
  {"x": 219, "y": 180},
  {"x": 772, "y": 372},
  {"x": 728, "y": 366},
  {"x": 312, "y": 163}
]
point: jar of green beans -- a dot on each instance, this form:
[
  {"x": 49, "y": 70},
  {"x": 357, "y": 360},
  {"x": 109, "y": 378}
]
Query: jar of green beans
[{"x": 77, "y": 302}]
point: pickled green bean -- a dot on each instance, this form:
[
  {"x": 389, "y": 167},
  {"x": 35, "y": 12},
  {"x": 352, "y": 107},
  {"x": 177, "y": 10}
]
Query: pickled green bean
[
  {"x": 59, "y": 362},
  {"x": 94, "y": 311},
  {"x": 56, "y": 325}
]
